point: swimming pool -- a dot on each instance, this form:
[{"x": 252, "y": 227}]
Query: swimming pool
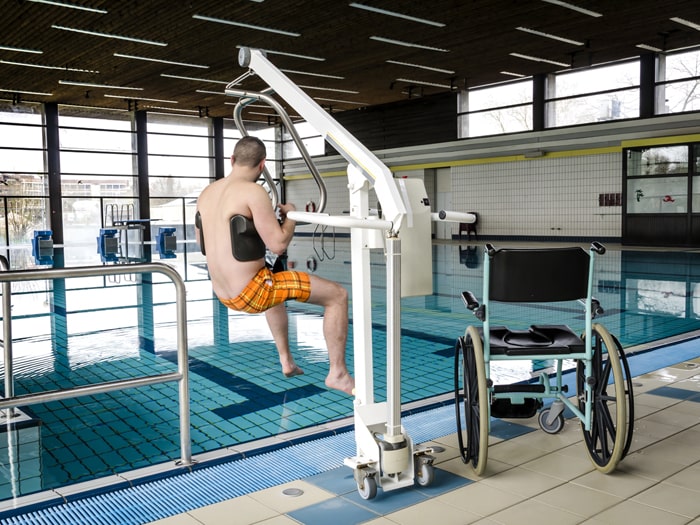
[{"x": 238, "y": 394}]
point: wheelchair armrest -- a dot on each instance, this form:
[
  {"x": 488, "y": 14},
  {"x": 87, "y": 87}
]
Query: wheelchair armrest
[
  {"x": 470, "y": 300},
  {"x": 596, "y": 309},
  {"x": 597, "y": 247}
]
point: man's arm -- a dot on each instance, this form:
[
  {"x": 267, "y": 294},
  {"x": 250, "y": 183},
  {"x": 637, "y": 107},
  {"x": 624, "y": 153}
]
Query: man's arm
[{"x": 276, "y": 236}]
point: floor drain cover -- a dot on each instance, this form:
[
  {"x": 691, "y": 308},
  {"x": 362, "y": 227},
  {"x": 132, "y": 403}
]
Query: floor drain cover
[{"x": 292, "y": 492}]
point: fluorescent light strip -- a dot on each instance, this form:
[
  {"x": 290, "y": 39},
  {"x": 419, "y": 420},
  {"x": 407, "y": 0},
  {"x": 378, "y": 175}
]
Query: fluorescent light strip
[
  {"x": 397, "y": 15},
  {"x": 341, "y": 101},
  {"x": 247, "y": 26},
  {"x": 41, "y": 66},
  {"x": 263, "y": 106},
  {"x": 574, "y": 8},
  {"x": 104, "y": 86},
  {"x": 649, "y": 48},
  {"x": 134, "y": 57},
  {"x": 180, "y": 77},
  {"x": 431, "y": 84},
  {"x": 20, "y": 50},
  {"x": 512, "y": 74},
  {"x": 407, "y": 44},
  {"x": 207, "y": 92},
  {"x": 427, "y": 68},
  {"x": 538, "y": 59},
  {"x": 19, "y": 91},
  {"x": 549, "y": 35},
  {"x": 107, "y": 35},
  {"x": 686, "y": 22},
  {"x": 140, "y": 99},
  {"x": 295, "y": 72},
  {"x": 71, "y": 6},
  {"x": 179, "y": 110},
  {"x": 330, "y": 89},
  {"x": 293, "y": 55}
]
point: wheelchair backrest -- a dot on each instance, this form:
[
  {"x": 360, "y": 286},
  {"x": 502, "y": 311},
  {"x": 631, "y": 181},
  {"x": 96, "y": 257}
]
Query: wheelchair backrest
[{"x": 538, "y": 275}]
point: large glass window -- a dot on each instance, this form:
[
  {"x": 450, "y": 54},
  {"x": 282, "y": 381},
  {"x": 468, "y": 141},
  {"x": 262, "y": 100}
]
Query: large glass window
[
  {"x": 505, "y": 108},
  {"x": 678, "y": 89},
  {"x": 657, "y": 179},
  {"x": 593, "y": 95}
]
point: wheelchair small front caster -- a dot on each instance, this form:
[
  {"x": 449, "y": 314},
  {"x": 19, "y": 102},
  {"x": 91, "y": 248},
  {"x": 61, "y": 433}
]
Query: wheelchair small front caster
[{"x": 550, "y": 427}]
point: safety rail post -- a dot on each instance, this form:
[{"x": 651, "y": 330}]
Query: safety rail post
[
  {"x": 7, "y": 336},
  {"x": 181, "y": 376}
]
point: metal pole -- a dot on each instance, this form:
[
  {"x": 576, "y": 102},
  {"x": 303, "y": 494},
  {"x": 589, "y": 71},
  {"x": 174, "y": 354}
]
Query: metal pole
[
  {"x": 7, "y": 336},
  {"x": 393, "y": 335}
]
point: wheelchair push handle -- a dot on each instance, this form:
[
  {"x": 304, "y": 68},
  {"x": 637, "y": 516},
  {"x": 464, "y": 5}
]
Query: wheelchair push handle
[{"x": 597, "y": 247}]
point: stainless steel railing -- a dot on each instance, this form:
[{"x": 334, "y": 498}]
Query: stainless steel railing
[{"x": 12, "y": 401}]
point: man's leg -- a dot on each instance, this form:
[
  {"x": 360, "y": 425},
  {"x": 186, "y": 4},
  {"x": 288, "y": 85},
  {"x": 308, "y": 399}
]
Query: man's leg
[
  {"x": 334, "y": 298},
  {"x": 279, "y": 326}
]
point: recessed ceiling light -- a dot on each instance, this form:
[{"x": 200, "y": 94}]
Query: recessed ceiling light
[
  {"x": 512, "y": 74},
  {"x": 41, "y": 66},
  {"x": 71, "y": 6},
  {"x": 90, "y": 84},
  {"x": 20, "y": 49},
  {"x": 283, "y": 53},
  {"x": 549, "y": 35},
  {"x": 145, "y": 99},
  {"x": 574, "y": 8},
  {"x": 329, "y": 89},
  {"x": 108, "y": 35},
  {"x": 538, "y": 59},
  {"x": 134, "y": 57},
  {"x": 422, "y": 83},
  {"x": 686, "y": 22},
  {"x": 407, "y": 44},
  {"x": 428, "y": 68},
  {"x": 649, "y": 48},
  {"x": 195, "y": 79},
  {"x": 397, "y": 15},
  {"x": 247, "y": 26},
  {"x": 295, "y": 72},
  {"x": 341, "y": 101},
  {"x": 21, "y": 92}
]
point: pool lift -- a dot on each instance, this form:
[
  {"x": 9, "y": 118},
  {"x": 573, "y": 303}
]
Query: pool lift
[{"x": 386, "y": 456}]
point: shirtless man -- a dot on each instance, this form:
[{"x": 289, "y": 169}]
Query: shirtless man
[{"x": 243, "y": 283}]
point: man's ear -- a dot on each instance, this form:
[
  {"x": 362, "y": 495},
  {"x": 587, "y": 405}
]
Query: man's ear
[{"x": 262, "y": 165}]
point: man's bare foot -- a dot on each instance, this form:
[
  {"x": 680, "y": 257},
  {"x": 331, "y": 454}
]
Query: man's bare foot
[
  {"x": 292, "y": 371},
  {"x": 343, "y": 382}
]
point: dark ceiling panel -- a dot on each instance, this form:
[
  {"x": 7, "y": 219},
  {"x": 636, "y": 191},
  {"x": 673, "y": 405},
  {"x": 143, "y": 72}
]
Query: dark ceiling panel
[{"x": 478, "y": 34}]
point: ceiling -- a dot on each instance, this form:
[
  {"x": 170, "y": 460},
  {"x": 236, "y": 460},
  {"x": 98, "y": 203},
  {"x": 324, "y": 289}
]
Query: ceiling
[{"x": 466, "y": 43}]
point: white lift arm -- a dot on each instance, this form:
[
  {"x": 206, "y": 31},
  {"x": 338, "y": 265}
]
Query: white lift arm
[{"x": 378, "y": 175}]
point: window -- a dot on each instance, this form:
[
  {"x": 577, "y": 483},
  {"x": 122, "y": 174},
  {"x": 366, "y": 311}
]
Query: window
[
  {"x": 678, "y": 86},
  {"x": 593, "y": 95},
  {"x": 505, "y": 108}
]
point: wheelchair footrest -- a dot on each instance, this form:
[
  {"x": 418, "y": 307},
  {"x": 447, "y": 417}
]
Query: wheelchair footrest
[{"x": 506, "y": 408}]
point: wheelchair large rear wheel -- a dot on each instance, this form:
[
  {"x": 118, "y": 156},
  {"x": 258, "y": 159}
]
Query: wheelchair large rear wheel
[
  {"x": 629, "y": 395},
  {"x": 607, "y": 437},
  {"x": 471, "y": 400}
]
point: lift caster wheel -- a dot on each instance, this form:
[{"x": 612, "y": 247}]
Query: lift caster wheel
[
  {"x": 425, "y": 472},
  {"x": 555, "y": 426},
  {"x": 366, "y": 483}
]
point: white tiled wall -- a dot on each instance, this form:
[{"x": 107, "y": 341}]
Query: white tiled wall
[{"x": 542, "y": 197}]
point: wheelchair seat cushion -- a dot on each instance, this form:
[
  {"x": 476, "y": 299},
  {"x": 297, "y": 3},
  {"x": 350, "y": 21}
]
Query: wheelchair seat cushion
[{"x": 537, "y": 340}]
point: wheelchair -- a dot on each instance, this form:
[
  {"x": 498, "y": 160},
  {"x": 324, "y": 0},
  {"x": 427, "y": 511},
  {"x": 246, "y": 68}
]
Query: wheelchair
[{"x": 603, "y": 399}]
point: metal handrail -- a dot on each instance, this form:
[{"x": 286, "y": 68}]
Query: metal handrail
[
  {"x": 181, "y": 376},
  {"x": 264, "y": 96}
]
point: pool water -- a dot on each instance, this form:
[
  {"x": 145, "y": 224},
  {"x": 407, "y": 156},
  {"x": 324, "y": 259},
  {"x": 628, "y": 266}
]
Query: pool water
[{"x": 238, "y": 393}]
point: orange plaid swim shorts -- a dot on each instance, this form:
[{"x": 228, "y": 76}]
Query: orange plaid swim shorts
[{"x": 268, "y": 289}]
